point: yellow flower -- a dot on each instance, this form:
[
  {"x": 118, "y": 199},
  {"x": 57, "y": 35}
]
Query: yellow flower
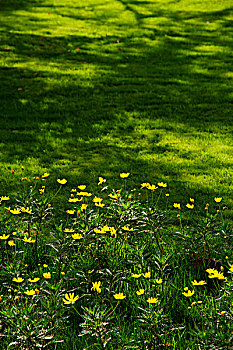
[
  {"x": 136, "y": 275},
  {"x": 28, "y": 240},
  {"x": 101, "y": 180},
  {"x": 159, "y": 281},
  {"x": 27, "y": 210},
  {"x": 14, "y": 233},
  {"x": 119, "y": 296},
  {"x": 36, "y": 279},
  {"x": 177, "y": 205},
  {"x": 101, "y": 205},
  {"x": 124, "y": 175},
  {"x": 15, "y": 211},
  {"x": 4, "y": 198},
  {"x": 74, "y": 200},
  {"x": 113, "y": 232},
  {"x": 45, "y": 265},
  {"x": 188, "y": 293},
  {"x": 193, "y": 303},
  {"x": 126, "y": 228},
  {"x": 69, "y": 230},
  {"x": 190, "y": 206},
  {"x": 213, "y": 273},
  {"x": 30, "y": 292},
  {"x": 4, "y": 236},
  {"x": 63, "y": 273},
  {"x": 200, "y": 283},
  {"x": 70, "y": 212},
  {"x": 11, "y": 243},
  {"x": 18, "y": 280},
  {"x": 82, "y": 187},
  {"x": 140, "y": 291},
  {"x": 47, "y": 275},
  {"x": 70, "y": 298},
  {"x": 191, "y": 200},
  {"x": 37, "y": 291},
  {"x": 152, "y": 300},
  {"x": 218, "y": 199},
  {"x": 25, "y": 318},
  {"x": 84, "y": 207},
  {"x": 145, "y": 184},
  {"x": 97, "y": 199},
  {"x": 162, "y": 184},
  {"x": 152, "y": 187},
  {"x": 167, "y": 194},
  {"x": 231, "y": 268},
  {"x": 45, "y": 175},
  {"x": 96, "y": 286},
  {"x": 84, "y": 194},
  {"x": 113, "y": 196},
  {"x": 77, "y": 236},
  {"x": 147, "y": 275},
  {"x": 222, "y": 313},
  {"x": 62, "y": 182}
]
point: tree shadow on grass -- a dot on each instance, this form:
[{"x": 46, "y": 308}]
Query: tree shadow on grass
[{"x": 121, "y": 101}]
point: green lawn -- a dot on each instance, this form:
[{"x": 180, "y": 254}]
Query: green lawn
[
  {"x": 97, "y": 88},
  {"x": 137, "y": 86}
]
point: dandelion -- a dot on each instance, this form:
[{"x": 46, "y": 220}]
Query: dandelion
[
  {"x": 147, "y": 275},
  {"x": 96, "y": 286},
  {"x": 70, "y": 298},
  {"x": 34, "y": 280},
  {"x": 152, "y": 187},
  {"x": 167, "y": 194},
  {"x": 124, "y": 175},
  {"x": 159, "y": 281},
  {"x": 152, "y": 300},
  {"x": 47, "y": 275},
  {"x": 84, "y": 194},
  {"x": 189, "y": 293},
  {"x": 119, "y": 296},
  {"x": 213, "y": 273},
  {"x": 200, "y": 283},
  {"x": 218, "y": 199},
  {"x": 101, "y": 181},
  {"x": 30, "y": 292},
  {"x": 28, "y": 240},
  {"x": 140, "y": 291},
  {"x": 11, "y": 243},
  {"x": 18, "y": 280},
  {"x": 190, "y": 206},
  {"x": 177, "y": 206},
  {"x": 62, "y": 182},
  {"x": 4, "y": 237},
  {"x": 82, "y": 187},
  {"x": 14, "y": 233},
  {"x": 45, "y": 265},
  {"x": 77, "y": 236}
]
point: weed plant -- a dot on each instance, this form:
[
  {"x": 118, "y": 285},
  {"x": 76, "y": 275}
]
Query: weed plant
[{"x": 114, "y": 270}]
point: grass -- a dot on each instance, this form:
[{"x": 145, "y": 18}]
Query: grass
[
  {"x": 141, "y": 87},
  {"x": 115, "y": 273},
  {"x": 117, "y": 86}
]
